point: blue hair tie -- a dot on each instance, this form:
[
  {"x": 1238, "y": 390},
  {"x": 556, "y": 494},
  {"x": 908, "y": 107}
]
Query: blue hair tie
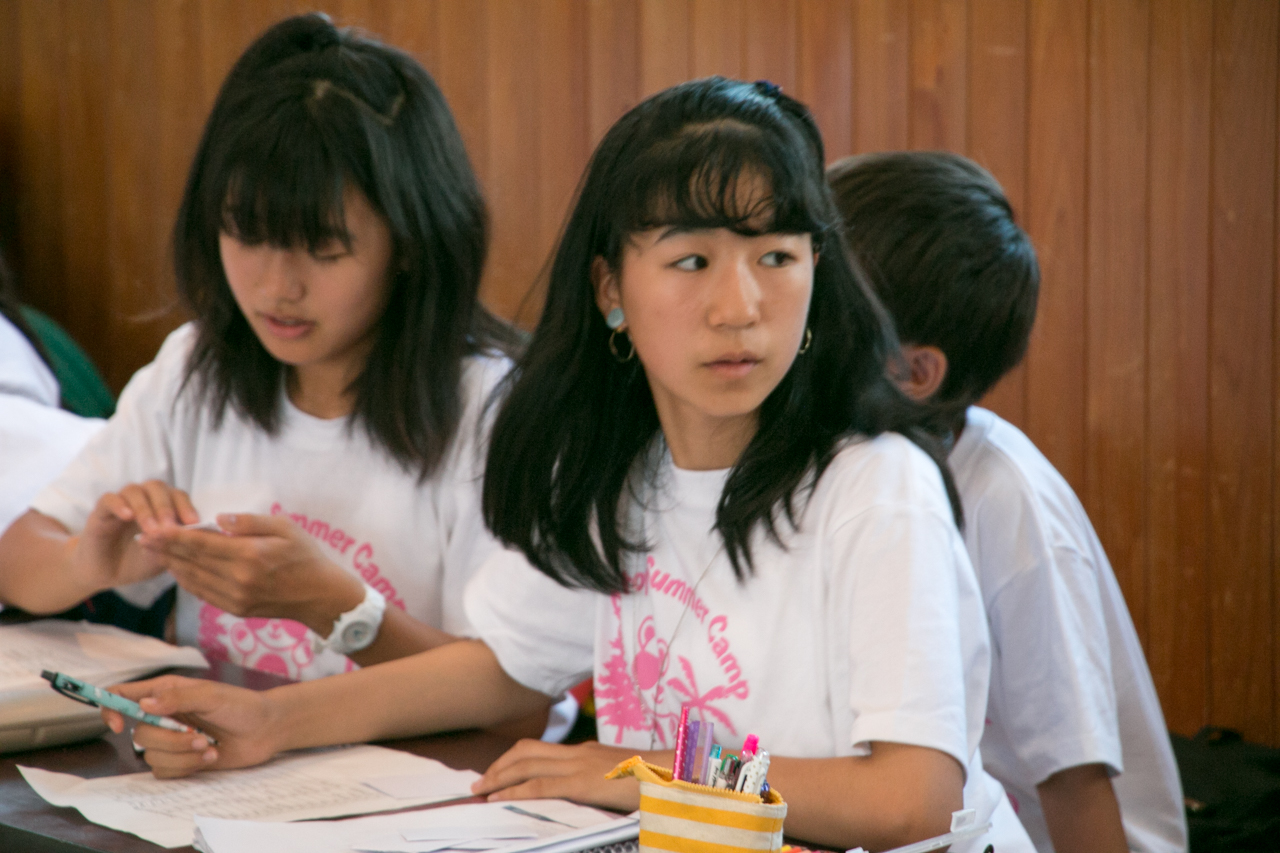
[{"x": 766, "y": 87}]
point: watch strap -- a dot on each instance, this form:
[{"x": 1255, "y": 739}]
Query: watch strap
[{"x": 357, "y": 628}]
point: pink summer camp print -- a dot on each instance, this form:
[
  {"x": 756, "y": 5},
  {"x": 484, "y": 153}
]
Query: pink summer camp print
[
  {"x": 645, "y": 693},
  {"x": 282, "y": 646}
]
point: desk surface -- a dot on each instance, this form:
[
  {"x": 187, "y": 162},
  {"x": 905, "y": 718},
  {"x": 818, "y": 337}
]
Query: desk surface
[{"x": 30, "y": 825}]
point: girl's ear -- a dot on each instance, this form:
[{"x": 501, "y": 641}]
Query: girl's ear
[
  {"x": 604, "y": 281},
  {"x": 927, "y": 369}
]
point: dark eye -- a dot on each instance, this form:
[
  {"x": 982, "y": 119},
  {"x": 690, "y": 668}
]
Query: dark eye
[
  {"x": 691, "y": 263},
  {"x": 327, "y": 253},
  {"x": 778, "y": 258}
]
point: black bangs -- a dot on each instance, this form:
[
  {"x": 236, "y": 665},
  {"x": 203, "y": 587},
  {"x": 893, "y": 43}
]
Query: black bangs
[
  {"x": 280, "y": 181},
  {"x": 722, "y": 174}
]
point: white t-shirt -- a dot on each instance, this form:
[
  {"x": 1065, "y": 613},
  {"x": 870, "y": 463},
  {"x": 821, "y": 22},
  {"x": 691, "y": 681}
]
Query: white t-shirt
[
  {"x": 1069, "y": 683},
  {"x": 867, "y": 627},
  {"x": 37, "y": 438},
  {"x": 417, "y": 543}
]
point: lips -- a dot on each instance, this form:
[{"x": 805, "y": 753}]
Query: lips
[
  {"x": 734, "y": 365},
  {"x": 286, "y": 327}
]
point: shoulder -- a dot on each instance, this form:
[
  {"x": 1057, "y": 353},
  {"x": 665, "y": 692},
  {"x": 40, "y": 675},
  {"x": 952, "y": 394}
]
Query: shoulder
[
  {"x": 887, "y": 471},
  {"x": 1017, "y": 505},
  {"x": 22, "y": 372}
]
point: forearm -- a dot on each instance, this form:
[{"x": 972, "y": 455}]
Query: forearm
[
  {"x": 400, "y": 635},
  {"x": 456, "y": 686},
  {"x": 1081, "y": 811},
  {"x": 897, "y": 795},
  {"x": 37, "y": 572}
]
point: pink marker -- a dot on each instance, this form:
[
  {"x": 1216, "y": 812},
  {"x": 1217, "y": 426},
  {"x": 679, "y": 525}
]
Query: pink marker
[
  {"x": 682, "y": 744},
  {"x": 749, "y": 747}
]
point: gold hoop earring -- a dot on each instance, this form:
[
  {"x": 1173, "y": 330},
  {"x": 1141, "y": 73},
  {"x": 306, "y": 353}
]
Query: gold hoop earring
[
  {"x": 808, "y": 339},
  {"x": 613, "y": 348}
]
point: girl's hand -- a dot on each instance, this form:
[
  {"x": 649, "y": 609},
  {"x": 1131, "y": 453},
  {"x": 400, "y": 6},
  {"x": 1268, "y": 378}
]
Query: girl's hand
[
  {"x": 259, "y": 566},
  {"x": 534, "y": 770},
  {"x": 242, "y": 721},
  {"x": 105, "y": 553}
]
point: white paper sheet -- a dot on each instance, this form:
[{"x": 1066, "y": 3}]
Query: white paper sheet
[
  {"x": 297, "y": 786},
  {"x": 393, "y": 833},
  {"x": 32, "y": 714},
  {"x": 87, "y": 651}
]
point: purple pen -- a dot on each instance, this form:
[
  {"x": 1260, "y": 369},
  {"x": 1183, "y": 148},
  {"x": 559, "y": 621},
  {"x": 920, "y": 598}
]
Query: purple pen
[
  {"x": 682, "y": 743},
  {"x": 693, "y": 733}
]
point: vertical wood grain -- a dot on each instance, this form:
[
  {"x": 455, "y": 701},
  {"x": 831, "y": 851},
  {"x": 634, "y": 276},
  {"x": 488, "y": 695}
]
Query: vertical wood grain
[
  {"x": 938, "y": 57},
  {"x": 770, "y": 36},
  {"x": 881, "y": 75},
  {"x": 85, "y": 109},
  {"x": 515, "y": 152},
  {"x": 997, "y": 136},
  {"x": 1057, "y": 174},
  {"x": 665, "y": 44},
  {"x": 1115, "y": 450},
  {"x": 1178, "y": 353},
  {"x": 10, "y": 112},
  {"x": 825, "y": 70},
  {"x": 717, "y": 37},
  {"x": 1242, "y": 626},
  {"x": 39, "y": 183},
  {"x": 462, "y": 71},
  {"x": 613, "y": 62}
]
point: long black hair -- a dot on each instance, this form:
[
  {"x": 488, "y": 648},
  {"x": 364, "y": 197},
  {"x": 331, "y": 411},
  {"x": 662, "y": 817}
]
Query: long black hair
[
  {"x": 306, "y": 111},
  {"x": 573, "y": 432}
]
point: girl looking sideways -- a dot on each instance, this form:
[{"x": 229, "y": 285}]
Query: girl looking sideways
[
  {"x": 323, "y": 405},
  {"x": 713, "y": 496}
]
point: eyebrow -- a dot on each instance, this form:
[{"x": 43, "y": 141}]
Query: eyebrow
[{"x": 677, "y": 230}]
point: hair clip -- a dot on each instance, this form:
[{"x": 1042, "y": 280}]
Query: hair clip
[
  {"x": 321, "y": 87},
  {"x": 767, "y": 87}
]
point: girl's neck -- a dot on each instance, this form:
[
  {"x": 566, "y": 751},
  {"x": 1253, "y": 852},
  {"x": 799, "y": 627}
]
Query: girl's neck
[
  {"x": 701, "y": 445},
  {"x": 319, "y": 392}
]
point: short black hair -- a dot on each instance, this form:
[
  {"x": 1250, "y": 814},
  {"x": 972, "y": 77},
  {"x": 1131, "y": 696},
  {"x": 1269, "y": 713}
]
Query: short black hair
[
  {"x": 570, "y": 446},
  {"x": 936, "y": 236},
  {"x": 306, "y": 111}
]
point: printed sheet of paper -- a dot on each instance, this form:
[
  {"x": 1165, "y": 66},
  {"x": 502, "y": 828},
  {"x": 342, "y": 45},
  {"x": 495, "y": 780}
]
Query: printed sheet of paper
[
  {"x": 471, "y": 824},
  {"x": 30, "y": 710},
  {"x": 298, "y": 786}
]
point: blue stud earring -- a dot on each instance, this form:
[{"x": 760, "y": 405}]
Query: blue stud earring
[{"x": 614, "y": 319}]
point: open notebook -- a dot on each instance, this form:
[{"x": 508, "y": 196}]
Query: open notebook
[{"x": 32, "y": 714}]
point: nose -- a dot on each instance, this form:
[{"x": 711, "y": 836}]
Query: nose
[
  {"x": 282, "y": 276},
  {"x": 735, "y": 296}
]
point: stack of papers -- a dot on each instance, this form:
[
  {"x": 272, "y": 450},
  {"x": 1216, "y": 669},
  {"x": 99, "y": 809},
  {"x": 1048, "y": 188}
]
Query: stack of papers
[
  {"x": 306, "y": 785},
  {"x": 529, "y": 826},
  {"x": 32, "y": 714}
]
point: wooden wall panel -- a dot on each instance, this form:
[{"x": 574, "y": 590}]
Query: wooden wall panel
[
  {"x": 1242, "y": 614},
  {"x": 824, "y": 76},
  {"x": 938, "y": 54},
  {"x": 996, "y": 131},
  {"x": 881, "y": 75},
  {"x": 1057, "y": 214},
  {"x": 1115, "y": 292},
  {"x": 1178, "y": 359},
  {"x": 1136, "y": 139}
]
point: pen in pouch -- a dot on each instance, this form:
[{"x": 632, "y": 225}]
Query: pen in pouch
[
  {"x": 677, "y": 765},
  {"x": 702, "y": 754},
  {"x": 713, "y": 767},
  {"x": 729, "y": 772},
  {"x": 690, "y": 750}
]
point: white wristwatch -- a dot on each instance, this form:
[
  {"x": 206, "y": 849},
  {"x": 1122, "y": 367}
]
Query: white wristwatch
[{"x": 357, "y": 628}]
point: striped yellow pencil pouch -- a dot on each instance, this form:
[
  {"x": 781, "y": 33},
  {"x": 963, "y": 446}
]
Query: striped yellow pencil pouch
[{"x": 682, "y": 817}]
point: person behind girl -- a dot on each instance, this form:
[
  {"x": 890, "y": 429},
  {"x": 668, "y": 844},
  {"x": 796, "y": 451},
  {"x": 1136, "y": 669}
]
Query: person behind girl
[
  {"x": 701, "y": 467},
  {"x": 323, "y": 405},
  {"x": 1072, "y": 703}
]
